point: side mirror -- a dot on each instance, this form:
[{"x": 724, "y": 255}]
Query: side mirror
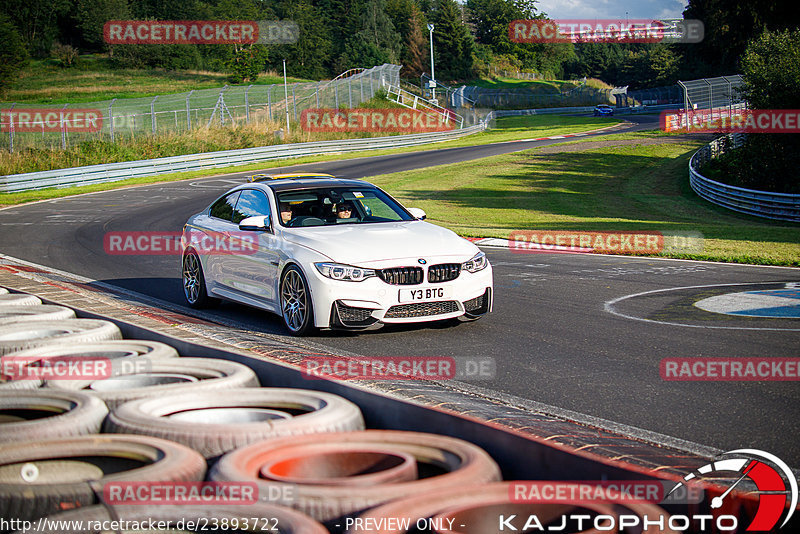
[
  {"x": 255, "y": 224},
  {"x": 417, "y": 213}
]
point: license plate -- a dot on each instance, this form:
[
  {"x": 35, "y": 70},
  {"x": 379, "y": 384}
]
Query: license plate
[{"x": 424, "y": 294}]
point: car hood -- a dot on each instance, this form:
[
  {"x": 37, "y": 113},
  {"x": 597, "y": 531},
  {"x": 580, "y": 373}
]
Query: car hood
[{"x": 374, "y": 244}]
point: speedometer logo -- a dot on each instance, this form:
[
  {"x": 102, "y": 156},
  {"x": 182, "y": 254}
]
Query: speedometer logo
[{"x": 770, "y": 481}]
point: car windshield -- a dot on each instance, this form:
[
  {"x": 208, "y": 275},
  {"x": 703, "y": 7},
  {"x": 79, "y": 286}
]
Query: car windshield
[{"x": 328, "y": 206}]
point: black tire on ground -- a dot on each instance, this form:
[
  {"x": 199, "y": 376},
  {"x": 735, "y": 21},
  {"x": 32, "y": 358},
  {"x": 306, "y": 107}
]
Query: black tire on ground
[
  {"x": 297, "y": 307},
  {"x": 194, "y": 282},
  {"x": 268, "y": 518},
  {"x": 20, "y": 336},
  {"x": 164, "y": 377},
  {"x": 19, "y": 299},
  {"x": 215, "y": 422},
  {"x": 31, "y": 415},
  {"x": 38, "y": 312},
  {"x": 39, "y": 478},
  {"x": 442, "y": 461}
]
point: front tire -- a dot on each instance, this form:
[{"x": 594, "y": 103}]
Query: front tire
[
  {"x": 194, "y": 283},
  {"x": 297, "y": 308}
]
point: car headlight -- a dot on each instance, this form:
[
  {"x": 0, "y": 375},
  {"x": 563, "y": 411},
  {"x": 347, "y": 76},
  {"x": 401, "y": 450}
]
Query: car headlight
[
  {"x": 477, "y": 263},
  {"x": 348, "y": 273}
]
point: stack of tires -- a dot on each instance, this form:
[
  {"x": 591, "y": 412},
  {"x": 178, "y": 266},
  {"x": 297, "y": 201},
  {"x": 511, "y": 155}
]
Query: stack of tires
[{"x": 127, "y": 414}]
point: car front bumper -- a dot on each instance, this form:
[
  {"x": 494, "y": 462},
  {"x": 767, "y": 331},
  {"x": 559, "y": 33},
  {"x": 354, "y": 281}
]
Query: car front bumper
[{"x": 373, "y": 302}]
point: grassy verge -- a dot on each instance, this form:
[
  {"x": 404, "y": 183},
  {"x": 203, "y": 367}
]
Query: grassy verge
[
  {"x": 43, "y": 82},
  {"x": 506, "y": 129},
  {"x": 634, "y": 182}
]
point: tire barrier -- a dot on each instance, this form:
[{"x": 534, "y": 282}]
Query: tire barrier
[
  {"x": 18, "y": 299},
  {"x": 38, "y": 312},
  {"x": 259, "y": 517},
  {"x": 442, "y": 462},
  {"x": 30, "y": 415},
  {"x": 475, "y": 509},
  {"x": 39, "y": 478},
  {"x": 15, "y": 385},
  {"x": 216, "y": 422},
  {"x": 3, "y": 291},
  {"x": 20, "y": 336},
  {"x": 163, "y": 377}
]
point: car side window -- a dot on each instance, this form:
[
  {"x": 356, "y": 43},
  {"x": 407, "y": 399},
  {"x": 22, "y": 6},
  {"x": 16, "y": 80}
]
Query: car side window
[
  {"x": 252, "y": 203},
  {"x": 223, "y": 208}
]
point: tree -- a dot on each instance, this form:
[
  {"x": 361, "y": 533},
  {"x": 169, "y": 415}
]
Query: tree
[
  {"x": 89, "y": 16},
  {"x": 310, "y": 56},
  {"x": 452, "y": 43},
  {"x": 376, "y": 41},
  {"x": 729, "y": 26},
  {"x": 36, "y": 21},
  {"x": 13, "y": 55},
  {"x": 416, "y": 57},
  {"x": 771, "y": 71}
]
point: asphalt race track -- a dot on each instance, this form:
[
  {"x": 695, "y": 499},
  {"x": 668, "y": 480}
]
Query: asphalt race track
[{"x": 559, "y": 333}]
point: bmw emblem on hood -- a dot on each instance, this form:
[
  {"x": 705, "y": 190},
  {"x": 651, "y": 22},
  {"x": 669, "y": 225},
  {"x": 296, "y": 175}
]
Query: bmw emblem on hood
[{"x": 422, "y": 261}]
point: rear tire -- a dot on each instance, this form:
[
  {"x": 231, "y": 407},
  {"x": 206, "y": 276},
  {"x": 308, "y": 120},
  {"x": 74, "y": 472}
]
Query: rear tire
[{"x": 194, "y": 283}]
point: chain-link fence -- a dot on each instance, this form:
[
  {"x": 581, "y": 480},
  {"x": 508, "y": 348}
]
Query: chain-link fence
[
  {"x": 713, "y": 93},
  {"x": 40, "y": 126}
]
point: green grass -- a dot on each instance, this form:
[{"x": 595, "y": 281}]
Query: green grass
[
  {"x": 43, "y": 82},
  {"x": 633, "y": 187}
]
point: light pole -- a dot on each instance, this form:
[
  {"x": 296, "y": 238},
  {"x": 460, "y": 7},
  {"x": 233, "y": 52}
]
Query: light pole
[
  {"x": 286, "y": 96},
  {"x": 433, "y": 76}
]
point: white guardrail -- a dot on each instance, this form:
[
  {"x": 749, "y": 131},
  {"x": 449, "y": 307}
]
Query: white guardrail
[{"x": 780, "y": 206}]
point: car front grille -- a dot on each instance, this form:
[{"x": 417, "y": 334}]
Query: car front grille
[
  {"x": 401, "y": 276},
  {"x": 443, "y": 272},
  {"x": 421, "y": 309}
]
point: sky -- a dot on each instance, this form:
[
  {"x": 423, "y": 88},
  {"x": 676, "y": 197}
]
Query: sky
[{"x": 612, "y": 9}]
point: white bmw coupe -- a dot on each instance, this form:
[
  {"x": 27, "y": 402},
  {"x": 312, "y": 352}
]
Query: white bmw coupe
[{"x": 323, "y": 252}]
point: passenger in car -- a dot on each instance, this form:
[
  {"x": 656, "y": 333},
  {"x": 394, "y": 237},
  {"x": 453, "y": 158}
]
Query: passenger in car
[{"x": 344, "y": 210}]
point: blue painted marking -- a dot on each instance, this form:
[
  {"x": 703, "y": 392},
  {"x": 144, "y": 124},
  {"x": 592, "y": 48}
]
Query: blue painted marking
[
  {"x": 785, "y": 293},
  {"x": 781, "y": 311}
]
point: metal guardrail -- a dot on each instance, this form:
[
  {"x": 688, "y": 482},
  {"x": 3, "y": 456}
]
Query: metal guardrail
[
  {"x": 111, "y": 172},
  {"x": 779, "y": 206}
]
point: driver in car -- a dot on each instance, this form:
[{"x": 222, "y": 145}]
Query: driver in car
[{"x": 286, "y": 212}]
